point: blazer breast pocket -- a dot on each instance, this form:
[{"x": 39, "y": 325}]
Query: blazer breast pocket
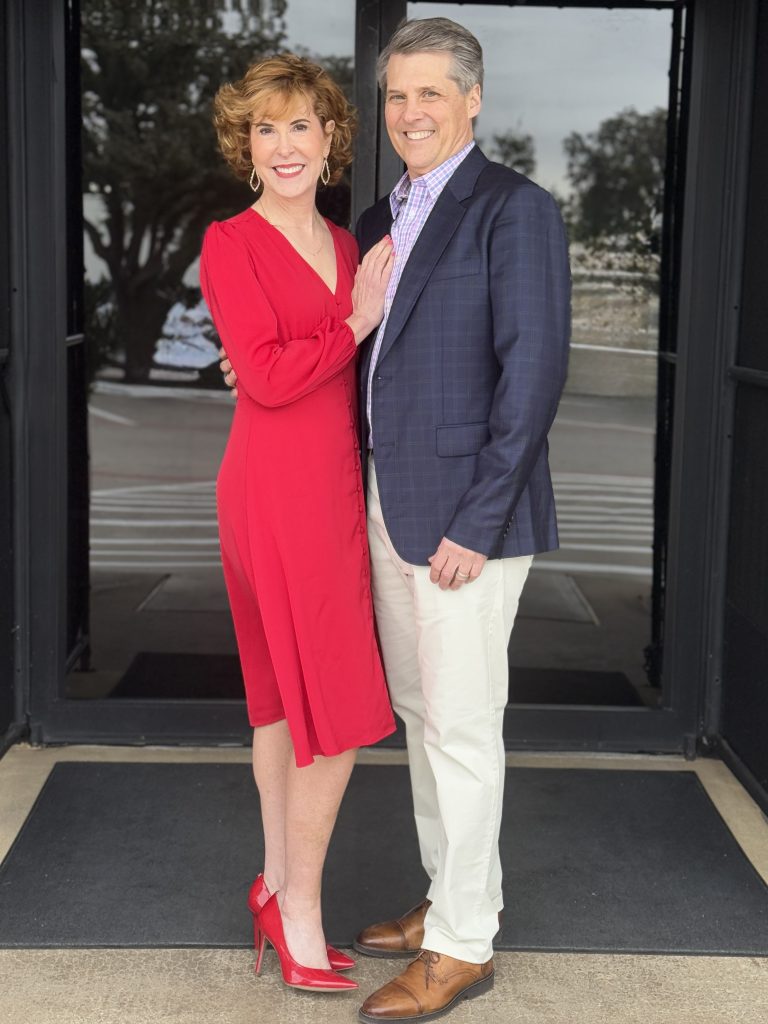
[
  {"x": 450, "y": 269},
  {"x": 461, "y": 439}
]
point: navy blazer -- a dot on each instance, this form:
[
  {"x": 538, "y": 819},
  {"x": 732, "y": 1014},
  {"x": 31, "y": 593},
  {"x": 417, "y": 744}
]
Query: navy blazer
[{"x": 471, "y": 367}]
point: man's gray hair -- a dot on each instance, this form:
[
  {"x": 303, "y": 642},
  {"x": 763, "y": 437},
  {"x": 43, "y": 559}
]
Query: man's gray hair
[{"x": 437, "y": 35}]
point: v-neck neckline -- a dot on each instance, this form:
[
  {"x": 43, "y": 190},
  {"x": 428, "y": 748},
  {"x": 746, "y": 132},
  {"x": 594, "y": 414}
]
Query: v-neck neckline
[{"x": 332, "y": 291}]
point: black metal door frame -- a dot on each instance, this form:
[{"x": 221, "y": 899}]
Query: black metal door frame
[
  {"x": 11, "y": 718},
  {"x": 710, "y": 256},
  {"x": 36, "y": 366}
]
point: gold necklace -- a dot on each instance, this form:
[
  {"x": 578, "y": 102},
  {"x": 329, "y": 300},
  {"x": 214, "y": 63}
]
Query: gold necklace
[{"x": 311, "y": 252}]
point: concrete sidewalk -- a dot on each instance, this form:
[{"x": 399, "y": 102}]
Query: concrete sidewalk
[{"x": 217, "y": 986}]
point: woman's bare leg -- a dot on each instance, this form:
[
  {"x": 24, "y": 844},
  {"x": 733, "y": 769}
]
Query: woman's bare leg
[
  {"x": 272, "y": 756},
  {"x": 313, "y": 797},
  {"x": 298, "y": 810}
]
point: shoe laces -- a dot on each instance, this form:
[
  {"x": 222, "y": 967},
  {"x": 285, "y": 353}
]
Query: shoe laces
[{"x": 430, "y": 960}]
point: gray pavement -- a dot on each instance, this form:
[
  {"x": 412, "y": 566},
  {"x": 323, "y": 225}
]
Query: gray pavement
[
  {"x": 155, "y": 454},
  {"x": 157, "y": 582}
]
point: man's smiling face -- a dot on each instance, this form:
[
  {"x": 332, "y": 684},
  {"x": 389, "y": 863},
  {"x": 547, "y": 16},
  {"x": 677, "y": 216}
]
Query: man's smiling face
[{"x": 428, "y": 117}]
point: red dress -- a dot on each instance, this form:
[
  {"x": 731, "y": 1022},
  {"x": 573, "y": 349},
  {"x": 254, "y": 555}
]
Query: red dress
[{"x": 289, "y": 492}]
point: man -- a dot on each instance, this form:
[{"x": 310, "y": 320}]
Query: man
[
  {"x": 460, "y": 387},
  {"x": 458, "y": 390}
]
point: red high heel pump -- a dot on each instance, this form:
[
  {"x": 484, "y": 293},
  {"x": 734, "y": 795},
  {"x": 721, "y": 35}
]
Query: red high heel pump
[
  {"x": 258, "y": 896},
  {"x": 268, "y": 925}
]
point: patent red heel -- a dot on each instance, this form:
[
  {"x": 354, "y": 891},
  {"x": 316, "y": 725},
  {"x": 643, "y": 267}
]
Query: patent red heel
[
  {"x": 269, "y": 927},
  {"x": 258, "y": 896},
  {"x": 259, "y": 942}
]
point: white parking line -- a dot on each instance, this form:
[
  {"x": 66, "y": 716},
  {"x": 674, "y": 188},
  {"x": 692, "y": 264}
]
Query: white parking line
[
  {"x": 598, "y": 513},
  {"x": 614, "y": 499},
  {"x": 598, "y": 567},
  {"x": 602, "y": 480},
  {"x": 159, "y": 564},
  {"x": 111, "y": 416},
  {"x": 589, "y": 425},
  {"x": 154, "y": 522},
  {"x": 195, "y": 485},
  {"x": 648, "y": 353},
  {"x": 144, "y": 541},
  {"x": 607, "y": 536},
  {"x": 626, "y": 548}
]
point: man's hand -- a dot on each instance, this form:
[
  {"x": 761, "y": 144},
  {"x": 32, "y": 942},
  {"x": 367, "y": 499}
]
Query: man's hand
[
  {"x": 230, "y": 377},
  {"x": 453, "y": 565}
]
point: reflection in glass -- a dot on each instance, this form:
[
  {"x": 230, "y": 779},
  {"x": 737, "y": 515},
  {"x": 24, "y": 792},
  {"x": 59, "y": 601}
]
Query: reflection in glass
[
  {"x": 577, "y": 100},
  {"x": 574, "y": 98},
  {"x": 159, "y": 413}
]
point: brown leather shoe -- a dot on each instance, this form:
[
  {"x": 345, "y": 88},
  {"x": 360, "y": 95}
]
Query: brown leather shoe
[
  {"x": 400, "y": 938},
  {"x": 430, "y": 986}
]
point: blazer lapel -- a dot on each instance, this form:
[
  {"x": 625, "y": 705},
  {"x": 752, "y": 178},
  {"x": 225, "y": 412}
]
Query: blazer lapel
[
  {"x": 372, "y": 227},
  {"x": 430, "y": 245}
]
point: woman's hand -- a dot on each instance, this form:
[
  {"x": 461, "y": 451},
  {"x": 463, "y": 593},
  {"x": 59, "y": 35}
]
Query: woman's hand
[
  {"x": 370, "y": 287},
  {"x": 230, "y": 377}
]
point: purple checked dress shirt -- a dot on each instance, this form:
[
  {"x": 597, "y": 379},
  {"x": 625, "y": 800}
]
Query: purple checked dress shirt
[{"x": 412, "y": 201}]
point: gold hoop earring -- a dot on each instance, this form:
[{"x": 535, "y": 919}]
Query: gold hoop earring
[
  {"x": 257, "y": 186},
  {"x": 325, "y": 173}
]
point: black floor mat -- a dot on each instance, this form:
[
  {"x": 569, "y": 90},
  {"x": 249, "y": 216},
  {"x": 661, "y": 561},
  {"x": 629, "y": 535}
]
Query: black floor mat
[
  {"x": 168, "y": 675},
  {"x": 165, "y": 675},
  {"x": 571, "y": 686},
  {"x": 162, "y": 855}
]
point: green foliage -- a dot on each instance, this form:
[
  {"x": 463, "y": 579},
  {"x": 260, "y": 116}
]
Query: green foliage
[
  {"x": 149, "y": 72},
  {"x": 617, "y": 174},
  {"x": 514, "y": 149}
]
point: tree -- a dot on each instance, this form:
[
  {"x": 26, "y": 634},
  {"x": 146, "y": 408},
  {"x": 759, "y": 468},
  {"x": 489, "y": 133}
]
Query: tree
[
  {"x": 514, "y": 149},
  {"x": 617, "y": 174},
  {"x": 149, "y": 72}
]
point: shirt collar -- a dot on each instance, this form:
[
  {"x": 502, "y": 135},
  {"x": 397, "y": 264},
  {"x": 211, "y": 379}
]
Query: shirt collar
[{"x": 434, "y": 181}]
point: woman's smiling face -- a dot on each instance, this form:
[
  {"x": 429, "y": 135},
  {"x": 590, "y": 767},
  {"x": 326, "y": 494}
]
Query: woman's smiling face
[{"x": 288, "y": 151}]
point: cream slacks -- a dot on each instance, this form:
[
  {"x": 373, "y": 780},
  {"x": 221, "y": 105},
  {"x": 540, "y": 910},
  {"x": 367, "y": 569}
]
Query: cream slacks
[{"x": 445, "y": 656}]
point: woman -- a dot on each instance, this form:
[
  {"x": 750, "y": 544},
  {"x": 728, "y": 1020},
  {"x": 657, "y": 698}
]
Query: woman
[{"x": 290, "y": 309}]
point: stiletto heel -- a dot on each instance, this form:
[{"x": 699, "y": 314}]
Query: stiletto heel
[
  {"x": 258, "y": 896},
  {"x": 259, "y": 942},
  {"x": 295, "y": 975}
]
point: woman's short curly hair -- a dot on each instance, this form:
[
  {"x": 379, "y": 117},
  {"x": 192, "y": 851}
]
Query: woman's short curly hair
[{"x": 267, "y": 89}]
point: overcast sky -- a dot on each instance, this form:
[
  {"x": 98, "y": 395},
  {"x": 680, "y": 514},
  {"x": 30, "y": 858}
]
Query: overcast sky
[{"x": 548, "y": 71}]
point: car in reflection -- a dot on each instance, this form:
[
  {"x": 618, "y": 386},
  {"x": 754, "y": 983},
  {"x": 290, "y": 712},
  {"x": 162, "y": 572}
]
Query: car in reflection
[{"x": 189, "y": 342}]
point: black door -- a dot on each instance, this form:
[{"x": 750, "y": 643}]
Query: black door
[
  {"x": 744, "y": 720},
  {"x": 598, "y": 659},
  {"x": 7, "y": 688}
]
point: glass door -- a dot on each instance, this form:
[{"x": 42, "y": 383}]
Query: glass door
[
  {"x": 576, "y": 96},
  {"x": 152, "y": 653},
  {"x": 586, "y": 101}
]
